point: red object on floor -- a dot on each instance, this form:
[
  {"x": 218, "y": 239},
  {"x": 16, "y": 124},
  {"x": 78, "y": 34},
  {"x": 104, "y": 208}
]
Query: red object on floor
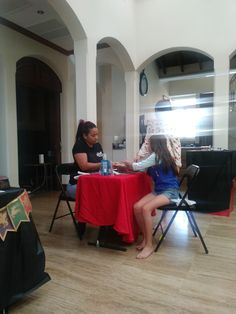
[
  {"x": 227, "y": 212},
  {"x": 108, "y": 201}
]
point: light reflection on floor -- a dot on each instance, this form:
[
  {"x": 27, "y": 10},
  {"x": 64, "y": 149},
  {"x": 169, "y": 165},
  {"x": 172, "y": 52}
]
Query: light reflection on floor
[{"x": 180, "y": 222}]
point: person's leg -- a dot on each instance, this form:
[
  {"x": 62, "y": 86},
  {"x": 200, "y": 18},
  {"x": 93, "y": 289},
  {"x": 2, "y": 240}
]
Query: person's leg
[
  {"x": 71, "y": 190},
  {"x": 147, "y": 209},
  {"x": 139, "y": 217}
]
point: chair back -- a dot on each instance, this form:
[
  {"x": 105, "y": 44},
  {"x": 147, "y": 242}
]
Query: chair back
[
  {"x": 189, "y": 175},
  {"x": 63, "y": 169},
  {"x": 183, "y": 204}
]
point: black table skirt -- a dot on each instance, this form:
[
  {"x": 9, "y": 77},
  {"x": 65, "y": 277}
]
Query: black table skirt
[
  {"x": 212, "y": 188},
  {"x": 22, "y": 260}
]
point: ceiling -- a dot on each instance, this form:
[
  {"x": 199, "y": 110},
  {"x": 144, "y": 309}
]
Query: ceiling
[
  {"x": 179, "y": 63},
  {"x": 38, "y": 17}
]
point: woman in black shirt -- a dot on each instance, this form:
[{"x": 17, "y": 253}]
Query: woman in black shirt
[{"x": 87, "y": 153}]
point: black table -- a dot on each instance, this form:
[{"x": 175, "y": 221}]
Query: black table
[
  {"x": 212, "y": 188},
  {"x": 22, "y": 258},
  {"x": 42, "y": 175}
]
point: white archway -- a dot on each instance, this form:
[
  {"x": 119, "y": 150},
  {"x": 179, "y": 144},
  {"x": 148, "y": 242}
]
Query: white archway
[
  {"x": 113, "y": 61},
  {"x": 160, "y": 53},
  {"x": 69, "y": 18},
  {"x": 190, "y": 87},
  {"x": 120, "y": 52}
]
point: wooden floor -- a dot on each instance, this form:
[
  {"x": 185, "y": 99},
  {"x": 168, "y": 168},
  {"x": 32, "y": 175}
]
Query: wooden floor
[{"x": 180, "y": 278}]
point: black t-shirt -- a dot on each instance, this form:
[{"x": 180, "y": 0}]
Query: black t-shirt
[{"x": 94, "y": 155}]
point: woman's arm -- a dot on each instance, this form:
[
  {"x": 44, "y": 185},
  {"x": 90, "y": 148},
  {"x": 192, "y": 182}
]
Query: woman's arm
[{"x": 82, "y": 161}]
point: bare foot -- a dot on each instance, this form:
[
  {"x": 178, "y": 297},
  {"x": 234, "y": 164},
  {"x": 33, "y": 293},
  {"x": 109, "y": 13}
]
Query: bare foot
[
  {"x": 147, "y": 251},
  {"x": 140, "y": 245}
]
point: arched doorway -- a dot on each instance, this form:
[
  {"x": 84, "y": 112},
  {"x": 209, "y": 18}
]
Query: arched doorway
[
  {"x": 113, "y": 61},
  {"x": 38, "y": 91}
]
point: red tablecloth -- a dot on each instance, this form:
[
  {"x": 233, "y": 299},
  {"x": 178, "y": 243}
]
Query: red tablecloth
[{"x": 109, "y": 200}]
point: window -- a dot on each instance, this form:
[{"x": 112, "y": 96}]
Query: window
[{"x": 192, "y": 119}]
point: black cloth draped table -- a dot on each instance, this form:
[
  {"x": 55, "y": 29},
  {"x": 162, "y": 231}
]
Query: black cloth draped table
[
  {"x": 22, "y": 258},
  {"x": 213, "y": 188}
]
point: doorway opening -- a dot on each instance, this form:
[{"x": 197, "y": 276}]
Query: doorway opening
[{"x": 38, "y": 91}]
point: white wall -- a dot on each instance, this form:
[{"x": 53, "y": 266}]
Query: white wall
[
  {"x": 184, "y": 23},
  {"x": 156, "y": 89},
  {"x": 146, "y": 30},
  {"x": 232, "y": 130},
  {"x": 118, "y": 103},
  {"x": 14, "y": 46},
  {"x": 111, "y": 105},
  {"x": 105, "y": 107},
  {"x": 112, "y": 19},
  {"x": 191, "y": 85},
  {"x": 110, "y": 98},
  {"x": 3, "y": 144},
  {"x": 108, "y": 56},
  {"x": 146, "y": 27},
  {"x": 232, "y": 114},
  {"x": 69, "y": 123},
  {"x": 152, "y": 28}
]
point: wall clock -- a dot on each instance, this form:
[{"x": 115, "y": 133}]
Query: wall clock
[{"x": 143, "y": 84}]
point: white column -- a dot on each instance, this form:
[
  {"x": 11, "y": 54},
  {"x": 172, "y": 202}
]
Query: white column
[
  {"x": 3, "y": 122},
  {"x": 85, "y": 68},
  {"x": 8, "y": 138},
  {"x": 106, "y": 109},
  {"x": 221, "y": 102},
  {"x": 132, "y": 114},
  {"x": 68, "y": 112}
]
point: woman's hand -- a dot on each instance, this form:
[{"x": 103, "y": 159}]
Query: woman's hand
[
  {"x": 120, "y": 166},
  {"x": 128, "y": 165}
]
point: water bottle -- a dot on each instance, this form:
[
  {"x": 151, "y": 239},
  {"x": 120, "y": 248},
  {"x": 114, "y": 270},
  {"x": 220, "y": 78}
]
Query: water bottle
[{"x": 105, "y": 166}]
